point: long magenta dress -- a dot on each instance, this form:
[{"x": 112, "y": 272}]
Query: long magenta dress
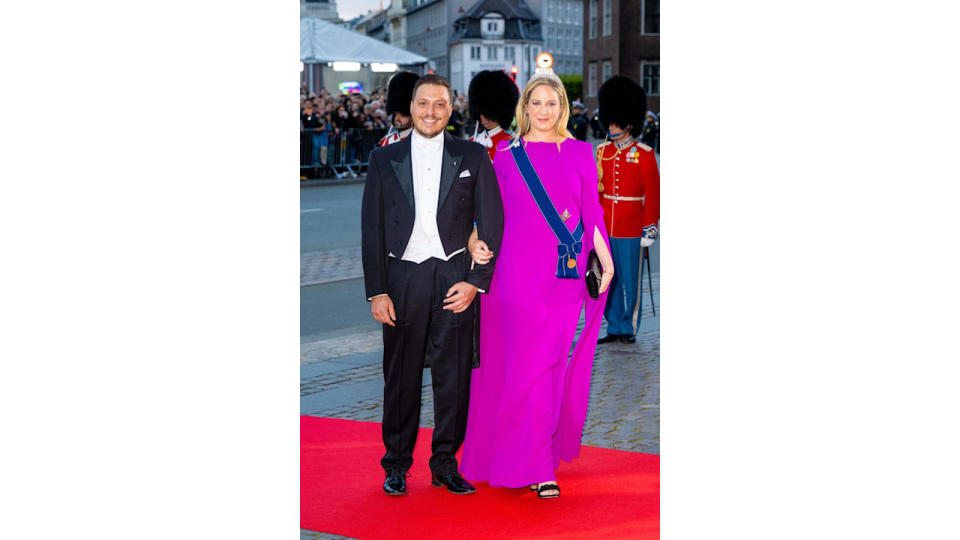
[{"x": 528, "y": 398}]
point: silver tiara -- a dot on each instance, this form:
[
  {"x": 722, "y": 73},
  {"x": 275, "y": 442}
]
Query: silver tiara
[{"x": 544, "y": 69}]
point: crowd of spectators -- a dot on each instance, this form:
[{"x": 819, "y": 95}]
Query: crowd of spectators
[
  {"x": 353, "y": 123},
  {"x": 326, "y": 120}
]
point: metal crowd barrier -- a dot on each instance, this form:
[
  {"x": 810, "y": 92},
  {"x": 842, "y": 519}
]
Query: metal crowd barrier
[{"x": 345, "y": 154}]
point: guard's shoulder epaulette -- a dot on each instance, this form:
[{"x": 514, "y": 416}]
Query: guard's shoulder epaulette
[{"x": 643, "y": 146}]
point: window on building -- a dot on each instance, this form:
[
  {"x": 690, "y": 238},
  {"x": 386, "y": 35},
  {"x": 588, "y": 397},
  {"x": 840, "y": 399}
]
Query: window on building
[
  {"x": 607, "y": 17},
  {"x": 607, "y": 71},
  {"x": 592, "y": 79},
  {"x": 593, "y": 19},
  {"x": 491, "y": 53},
  {"x": 651, "y": 79},
  {"x": 475, "y": 53},
  {"x": 510, "y": 53},
  {"x": 650, "y": 17},
  {"x": 491, "y": 26}
]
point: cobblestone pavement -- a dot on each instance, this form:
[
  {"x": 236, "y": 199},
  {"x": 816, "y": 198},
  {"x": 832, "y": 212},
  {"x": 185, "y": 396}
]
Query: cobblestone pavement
[
  {"x": 329, "y": 265},
  {"x": 333, "y": 348}
]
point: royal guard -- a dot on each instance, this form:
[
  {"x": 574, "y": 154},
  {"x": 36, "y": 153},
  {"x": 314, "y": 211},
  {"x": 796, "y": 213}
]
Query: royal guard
[
  {"x": 493, "y": 98},
  {"x": 630, "y": 196},
  {"x": 399, "y": 96}
]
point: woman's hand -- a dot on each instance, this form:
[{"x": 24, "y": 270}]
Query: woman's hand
[
  {"x": 606, "y": 261},
  {"x": 605, "y": 279},
  {"x": 478, "y": 249},
  {"x": 480, "y": 252}
]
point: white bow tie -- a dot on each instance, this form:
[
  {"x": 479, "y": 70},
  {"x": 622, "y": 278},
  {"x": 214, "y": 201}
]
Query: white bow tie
[{"x": 429, "y": 144}]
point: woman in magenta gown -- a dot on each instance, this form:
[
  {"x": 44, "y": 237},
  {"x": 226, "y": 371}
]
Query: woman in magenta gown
[{"x": 528, "y": 398}]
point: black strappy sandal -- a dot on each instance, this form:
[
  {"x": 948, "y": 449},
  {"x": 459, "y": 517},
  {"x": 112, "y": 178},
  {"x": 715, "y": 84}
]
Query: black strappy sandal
[{"x": 548, "y": 487}]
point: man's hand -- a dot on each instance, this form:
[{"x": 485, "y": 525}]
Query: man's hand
[
  {"x": 459, "y": 297},
  {"x": 382, "y": 309}
]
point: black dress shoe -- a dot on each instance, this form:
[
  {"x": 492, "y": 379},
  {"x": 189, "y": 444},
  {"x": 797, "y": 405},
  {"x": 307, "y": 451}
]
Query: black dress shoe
[
  {"x": 608, "y": 338},
  {"x": 628, "y": 339},
  {"x": 396, "y": 482},
  {"x": 454, "y": 482}
]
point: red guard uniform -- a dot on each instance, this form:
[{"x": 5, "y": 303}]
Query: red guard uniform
[
  {"x": 631, "y": 188},
  {"x": 394, "y": 136},
  {"x": 491, "y": 138}
]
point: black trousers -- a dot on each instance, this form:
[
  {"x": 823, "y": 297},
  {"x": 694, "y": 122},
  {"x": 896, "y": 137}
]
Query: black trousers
[{"x": 425, "y": 332}]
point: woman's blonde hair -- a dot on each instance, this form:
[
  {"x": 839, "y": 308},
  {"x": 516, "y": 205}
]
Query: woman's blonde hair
[{"x": 523, "y": 121}]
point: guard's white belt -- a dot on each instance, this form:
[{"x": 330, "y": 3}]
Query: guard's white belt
[{"x": 619, "y": 198}]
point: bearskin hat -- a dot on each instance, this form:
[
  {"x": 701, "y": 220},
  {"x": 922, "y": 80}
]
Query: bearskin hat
[
  {"x": 400, "y": 92},
  {"x": 494, "y": 95},
  {"x": 622, "y": 102}
]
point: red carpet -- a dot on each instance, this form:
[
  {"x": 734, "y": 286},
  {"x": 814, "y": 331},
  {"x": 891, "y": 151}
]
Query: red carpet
[{"x": 605, "y": 493}]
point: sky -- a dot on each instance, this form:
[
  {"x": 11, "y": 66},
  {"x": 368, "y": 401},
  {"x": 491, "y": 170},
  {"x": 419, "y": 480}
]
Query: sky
[{"x": 349, "y": 9}]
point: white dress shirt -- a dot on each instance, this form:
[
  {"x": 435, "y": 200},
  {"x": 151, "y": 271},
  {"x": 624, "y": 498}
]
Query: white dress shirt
[{"x": 427, "y": 160}]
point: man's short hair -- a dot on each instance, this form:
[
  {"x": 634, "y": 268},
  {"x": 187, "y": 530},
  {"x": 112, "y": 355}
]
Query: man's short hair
[{"x": 433, "y": 79}]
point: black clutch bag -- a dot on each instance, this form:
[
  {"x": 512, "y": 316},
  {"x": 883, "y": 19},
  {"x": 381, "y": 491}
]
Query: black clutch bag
[{"x": 593, "y": 275}]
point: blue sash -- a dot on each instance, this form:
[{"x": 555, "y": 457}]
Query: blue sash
[{"x": 570, "y": 244}]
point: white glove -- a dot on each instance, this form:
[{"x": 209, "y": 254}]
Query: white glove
[{"x": 649, "y": 235}]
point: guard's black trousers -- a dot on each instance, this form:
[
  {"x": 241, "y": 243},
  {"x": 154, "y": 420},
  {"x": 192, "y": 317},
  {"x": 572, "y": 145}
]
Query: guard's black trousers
[{"x": 425, "y": 332}]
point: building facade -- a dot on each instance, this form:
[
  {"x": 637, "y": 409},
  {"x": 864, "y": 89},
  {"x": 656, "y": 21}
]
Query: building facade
[
  {"x": 494, "y": 35},
  {"x": 321, "y": 9},
  {"x": 561, "y": 22},
  {"x": 429, "y": 27},
  {"x": 397, "y": 23},
  {"x": 621, "y": 37},
  {"x": 374, "y": 24}
]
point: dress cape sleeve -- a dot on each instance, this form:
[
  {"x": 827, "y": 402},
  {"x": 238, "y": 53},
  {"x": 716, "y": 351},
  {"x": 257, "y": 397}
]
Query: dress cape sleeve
[{"x": 590, "y": 211}]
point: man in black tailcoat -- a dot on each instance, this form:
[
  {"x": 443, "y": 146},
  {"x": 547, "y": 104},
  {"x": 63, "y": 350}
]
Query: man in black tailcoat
[{"x": 421, "y": 199}]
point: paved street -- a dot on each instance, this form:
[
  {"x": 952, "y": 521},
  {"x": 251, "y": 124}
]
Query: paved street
[{"x": 341, "y": 347}]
